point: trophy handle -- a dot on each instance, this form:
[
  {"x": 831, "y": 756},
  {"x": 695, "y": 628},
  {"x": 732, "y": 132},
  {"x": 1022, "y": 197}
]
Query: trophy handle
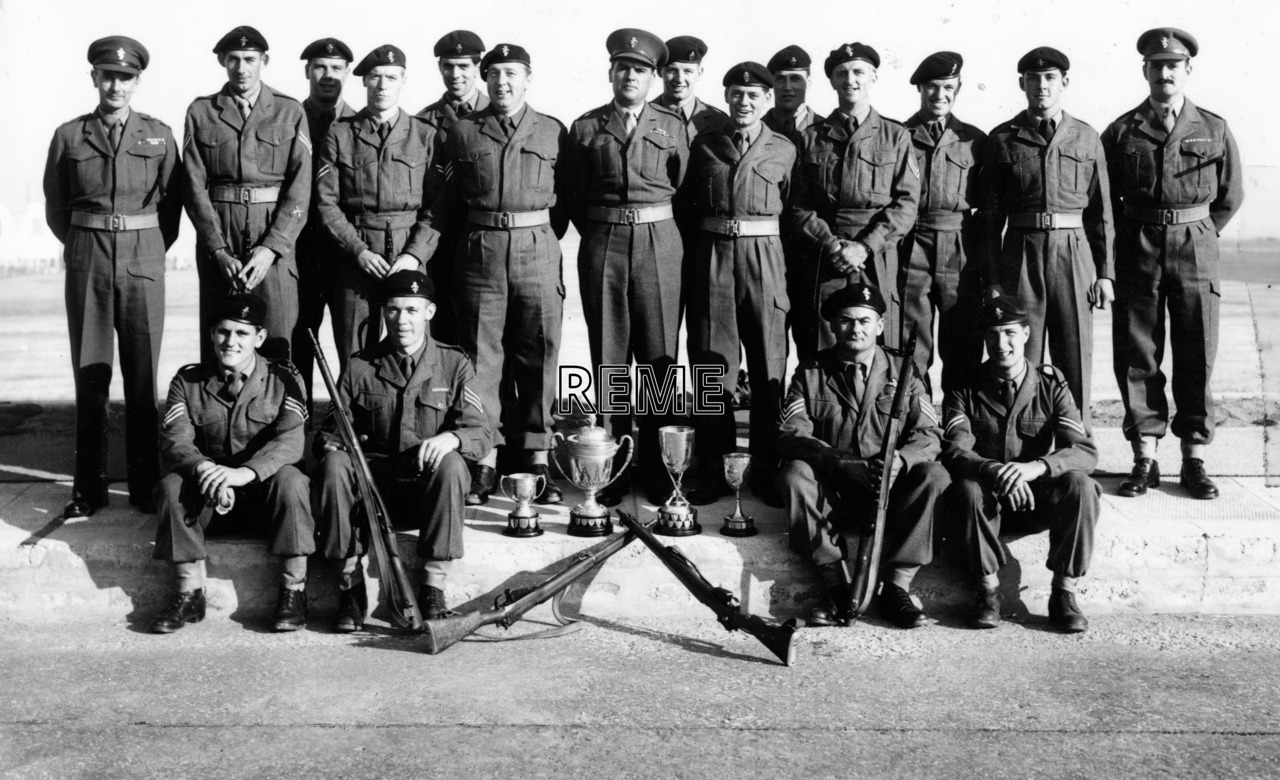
[
  {"x": 631, "y": 450},
  {"x": 541, "y": 482},
  {"x": 502, "y": 485},
  {"x": 557, "y": 439}
]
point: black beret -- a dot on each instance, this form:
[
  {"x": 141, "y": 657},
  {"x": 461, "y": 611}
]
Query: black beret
[
  {"x": 117, "y": 52},
  {"x": 748, "y": 74},
  {"x": 1167, "y": 43},
  {"x": 241, "y": 307},
  {"x": 327, "y": 48},
  {"x": 242, "y": 38},
  {"x": 855, "y": 294},
  {"x": 408, "y": 284},
  {"x": 790, "y": 58},
  {"x": 1005, "y": 310},
  {"x": 848, "y": 53},
  {"x": 686, "y": 48},
  {"x": 459, "y": 43},
  {"x": 504, "y": 52},
  {"x": 386, "y": 54},
  {"x": 939, "y": 65},
  {"x": 639, "y": 45},
  {"x": 1044, "y": 58}
]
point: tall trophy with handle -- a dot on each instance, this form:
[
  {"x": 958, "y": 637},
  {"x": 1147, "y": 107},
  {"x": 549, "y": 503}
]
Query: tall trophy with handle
[
  {"x": 591, "y": 452},
  {"x": 676, "y": 517}
]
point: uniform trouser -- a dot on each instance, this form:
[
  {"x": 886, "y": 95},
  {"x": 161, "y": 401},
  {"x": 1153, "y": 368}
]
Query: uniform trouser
[
  {"x": 278, "y": 507},
  {"x": 939, "y": 279},
  {"x": 802, "y": 288},
  {"x": 431, "y": 502},
  {"x": 356, "y": 305},
  {"x": 1174, "y": 267},
  {"x": 510, "y": 301},
  {"x": 1052, "y": 271},
  {"x": 738, "y": 299},
  {"x": 314, "y": 269},
  {"x": 826, "y": 518},
  {"x": 882, "y": 272},
  {"x": 279, "y": 288},
  {"x": 630, "y": 280},
  {"x": 444, "y": 326},
  {"x": 115, "y": 284},
  {"x": 1067, "y": 505}
]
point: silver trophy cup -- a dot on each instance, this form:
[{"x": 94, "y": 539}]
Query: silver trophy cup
[
  {"x": 590, "y": 452},
  {"x": 522, "y": 522},
  {"x": 736, "y": 465},
  {"x": 676, "y": 517}
]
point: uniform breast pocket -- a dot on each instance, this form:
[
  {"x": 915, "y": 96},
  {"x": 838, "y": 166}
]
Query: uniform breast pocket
[
  {"x": 432, "y": 406},
  {"x": 1138, "y": 172},
  {"x": 1036, "y": 434},
  {"x": 220, "y": 151},
  {"x": 144, "y": 166},
  {"x": 1075, "y": 169},
  {"x": 826, "y": 416},
  {"x": 274, "y": 144},
  {"x": 371, "y": 415},
  {"x": 1021, "y": 170},
  {"x": 211, "y": 427},
  {"x": 1197, "y": 169},
  {"x": 986, "y": 435},
  {"x": 261, "y": 415},
  {"x": 817, "y": 170},
  {"x": 477, "y": 170},
  {"x": 766, "y": 194},
  {"x": 959, "y": 164},
  {"x": 875, "y": 170},
  {"x": 605, "y": 157},
  {"x": 538, "y": 167},
  {"x": 656, "y": 153},
  {"x": 409, "y": 169},
  {"x": 89, "y": 170}
]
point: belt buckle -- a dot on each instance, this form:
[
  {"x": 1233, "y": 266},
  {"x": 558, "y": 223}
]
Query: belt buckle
[
  {"x": 116, "y": 223},
  {"x": 1047, "y": 220},
  {"x": 506, "y": 220},
  {"x": 735, "y": 227},
  {"x": 246, "y": 195},
  {"x": 1168, "y": 217},
  {"x": 630, "y": 216}
]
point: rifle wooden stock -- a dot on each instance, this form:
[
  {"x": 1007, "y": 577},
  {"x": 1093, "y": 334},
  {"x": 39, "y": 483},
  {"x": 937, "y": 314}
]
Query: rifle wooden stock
[
  {"x": 866, "y": 563},
  {"x": 392, "y": 577},
  {"x": 513, "y": 604},
  {"x": 780, "y": 639}
]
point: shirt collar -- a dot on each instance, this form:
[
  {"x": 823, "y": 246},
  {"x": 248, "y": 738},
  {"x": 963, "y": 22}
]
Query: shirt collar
[
  {"x": 470, "y": 98},
  {"x": 389, "y": 116},
  {"x": 1176, "y": 104},
  {"x": 123, "y": 117},
  {"x": 252, "y": 97},
  {"x": 246, "y": 372},
  {"x": 1018, "y": 378},
  {"x": 623, "y": 111},
  {"x": 861, "y": 115}
]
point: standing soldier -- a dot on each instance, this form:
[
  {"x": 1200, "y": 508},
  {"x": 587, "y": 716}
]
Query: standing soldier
[
  {"x": 372, "y": 184},
  {"x": 503, "y": 170},
  {"x": 414, "y": 408},
  {"x": 790, "y": 117},
  {"x": 327, "y": 62},
  {"x": 856, "y": 193},
  {"x": 232, "y": 433},
  {"x": 1177, "y": 183},
  {"x": 740, "y": 177},
  {"x": 680, "y": 78},
  {"x": 458, "y": 56},
  {"x": 935, "y": 253},
  {"x": 626, "y": 160},
  {"x": 248, "y": 186},
  {"x": 1044, "y": 175},
  {"x": 113, "y": 197}
]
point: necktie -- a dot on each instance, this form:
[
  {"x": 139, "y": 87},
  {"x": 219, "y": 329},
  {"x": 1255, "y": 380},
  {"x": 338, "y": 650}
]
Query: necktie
[
  {"x": 406, "y": 365},
  {"x": 463, "y": 109},
  {"x": 116, "y": 133},
  {"x": 629, "y": 122},
  {"x": 384, "y": 130},
  {"x": 245, "y": 108},
  {"x": 858, "y": 378},
  {"x": 851, "y": 124},
  {"x": 233, "y": 383},
  {"x": 1007, "y": 392},
  {"x": 1046, "y": 129},
  {"x": 935, "y": 130},
  {"x": 1169, "y": 119},
  {"x": 740, "y": 141}
]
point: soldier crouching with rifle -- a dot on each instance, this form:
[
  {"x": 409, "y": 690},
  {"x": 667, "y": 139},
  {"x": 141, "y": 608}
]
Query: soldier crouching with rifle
[
  {"x": 1018, "y": 451},
  {"x": 417, "y": 416},
  {"x": 232, "y": 432},
  {"x": 831, "y": 441}
]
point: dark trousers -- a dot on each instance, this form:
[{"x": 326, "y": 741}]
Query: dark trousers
[
  {"x": 1067, "y": 505},
  {"x": 279, "y": 508},
  {"x": 431, "y": 502},
  {"x": 941, "y": 290},
  {"x": 314, "y": 268},
  {"x": 826, "y": 518}
]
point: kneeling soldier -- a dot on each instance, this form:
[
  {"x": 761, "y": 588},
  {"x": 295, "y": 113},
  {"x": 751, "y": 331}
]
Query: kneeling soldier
[
  {"x": 1001, "y": 429},
  {"x": 417, "y": 415},
  {"x": 831, "y": 442},
  {"x": 232, "y": 432}
]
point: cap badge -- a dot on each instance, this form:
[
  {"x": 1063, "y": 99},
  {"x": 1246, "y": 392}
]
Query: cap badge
[
  {"x": 848, "y": 50},
  {"x": 633, "y": 42},
  {"x": 391, "y": 57},
  {"x": 792, "y": 60},
  {"x": 244, "y": 41},
  {"x": 244, "y": 312},
  {"x": 120, "y": 54},
  {"x": 459, "y": 48},
  {"x": 693, "y": 55},
  {"x": 414, "y": 287},
  {"x": 866, "y": 294},
  {"x": 998, "y": 312},
  {"x": 328, "y": 47},
  {"x": 1164, "y": 43},
  {"x": 506, "y": 50},
  {"x": 1039, "y": 63},
  {"x": 954, "y": 68},
  {"x": 746, "y": 77}
]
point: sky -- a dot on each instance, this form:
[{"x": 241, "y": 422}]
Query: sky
[{"x": 44, "y": 77}]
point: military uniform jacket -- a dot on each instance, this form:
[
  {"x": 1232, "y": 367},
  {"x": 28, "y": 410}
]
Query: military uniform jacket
[
  {"x": 262, "y": 429},
  {"x": 318, "y": 127},
  {"x": 442, "y": 116},
  {"x": 1022, "y": 172},
  {"x": 724, "y": 184},
  {"x": 840, "y": 178},
  {"x": 606, "y": 167},
  {"x": 394, "y": 414},
  {"x": 83, "y": 173},
  {"x": 269, "y": 149},
  {"x": 1198, "y": 162},
  {"x": 486, "y": 173},
  {"x": 949, "y": 167},
  {"x": 1044, "y": 424},
  {"x": 702, "y": 119},
  {"x": 363, "y": 182},
  {"x": 775, "y": 122},
  {"x": 821, "y": 421}
]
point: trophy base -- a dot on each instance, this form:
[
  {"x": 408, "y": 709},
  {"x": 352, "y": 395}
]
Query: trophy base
[
  {"x": 677, "y": 521},
  {"x": 523, "y": 526},
  {"x": 589, "y": 523},
  {"x": 739, "y": 528}
]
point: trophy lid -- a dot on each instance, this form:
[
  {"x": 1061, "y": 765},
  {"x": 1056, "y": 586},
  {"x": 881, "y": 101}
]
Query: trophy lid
[{"x": 592, "y": 437}]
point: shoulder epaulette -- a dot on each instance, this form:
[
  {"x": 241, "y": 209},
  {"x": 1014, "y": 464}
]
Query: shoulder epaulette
[
  {"x": 1052, "y": 372},
  {"x": 150, "y": 118}
]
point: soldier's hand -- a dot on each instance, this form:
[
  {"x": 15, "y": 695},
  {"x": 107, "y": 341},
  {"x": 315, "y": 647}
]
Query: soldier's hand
[
  {"x": 1101, "y": 294},
  {"x": 373, "y": 264},
  {"x": 851, "y": 258},
  {"x": 432, "y": 451},
  {"x": 1021, "y": 498},
  {"x": 253, "y": 272},
  {"x": 1010, "y": 475},
  {"x": 404, "y": 263},
  {"x": 229, "y": 266},
  {"x": 214, "y": 479}
]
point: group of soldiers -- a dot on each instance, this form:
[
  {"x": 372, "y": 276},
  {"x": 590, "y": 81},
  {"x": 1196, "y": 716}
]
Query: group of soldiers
[{"x": 433, "y": 240}]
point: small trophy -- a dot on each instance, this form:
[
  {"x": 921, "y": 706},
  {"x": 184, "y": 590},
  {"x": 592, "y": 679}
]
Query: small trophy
[
  {"x": 735, "y": 473},
  {"x": 591, "y": 452},
  {"x": 522, "y": 522},
  {"x": 676, "y": 517}
]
